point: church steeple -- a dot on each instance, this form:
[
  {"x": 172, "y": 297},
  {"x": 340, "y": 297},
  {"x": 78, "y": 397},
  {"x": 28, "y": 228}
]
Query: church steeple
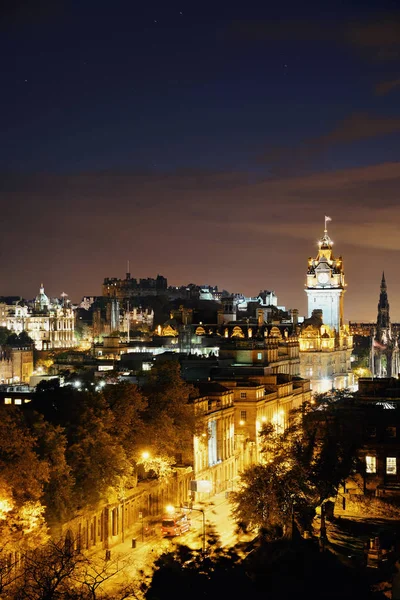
[{"x": 383, "y": 320}]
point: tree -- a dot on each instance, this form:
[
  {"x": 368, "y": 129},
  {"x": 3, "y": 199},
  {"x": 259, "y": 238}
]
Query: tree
[
  {"x": 55, "y": 572},
  {"x": 23, "y": 475},
  {"x": 301, "y": 468},
  {"x": 102, "y": 432},
  {"x": 51, "y": 445},
  {"x": 170, "y": 414},
  {"x": 4, "y": 335},
  {"x": 128, "y": 406},
  {"x": 97, "y": 458},
  {"x": 273, "y": 570},
  {"x": 190, "y": 574}
]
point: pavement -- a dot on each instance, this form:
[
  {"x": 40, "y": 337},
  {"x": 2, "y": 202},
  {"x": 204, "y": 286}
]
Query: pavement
[{"x": 134, "y": 561}]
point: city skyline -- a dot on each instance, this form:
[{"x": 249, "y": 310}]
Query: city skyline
[{"x": 204, "y": 144}]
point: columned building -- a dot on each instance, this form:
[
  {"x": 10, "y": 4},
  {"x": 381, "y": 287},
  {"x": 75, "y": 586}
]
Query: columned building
[{"x": 325, "y": 341}]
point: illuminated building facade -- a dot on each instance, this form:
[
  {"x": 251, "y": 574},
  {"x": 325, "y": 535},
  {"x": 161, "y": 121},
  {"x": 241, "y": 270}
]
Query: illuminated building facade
[
  {"x": 16, "y": 363},
  {"x": 50, "y": 323},
  {"x": 233, "y": 412},
  {"x": 325, "y": 341},
  {"x": 214, "y": 448}
]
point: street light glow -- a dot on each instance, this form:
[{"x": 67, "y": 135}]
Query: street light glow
[{"x": 170, "y": 509}]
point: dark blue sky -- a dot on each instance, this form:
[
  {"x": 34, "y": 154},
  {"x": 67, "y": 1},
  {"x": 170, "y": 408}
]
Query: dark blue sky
[{"x": 191, "y": 121}]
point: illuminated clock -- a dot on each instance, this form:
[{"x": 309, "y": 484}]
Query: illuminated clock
[{"x": 323, "y": 277}]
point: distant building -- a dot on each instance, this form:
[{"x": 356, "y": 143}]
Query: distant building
[
  {"x": 131, "y": 287},
  {"x": 50, "y": 323},
  {"x": 16, "y": 363}
]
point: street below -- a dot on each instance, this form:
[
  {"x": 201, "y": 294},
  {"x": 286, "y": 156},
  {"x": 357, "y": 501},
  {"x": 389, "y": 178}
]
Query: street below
[{"x": 136, "y": 563}]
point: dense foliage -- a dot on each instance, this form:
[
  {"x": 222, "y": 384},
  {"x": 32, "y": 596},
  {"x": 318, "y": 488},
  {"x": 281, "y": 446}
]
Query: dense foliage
[
  {"x": 78, "y": 444},
  {"x": 301, "y": 468}
]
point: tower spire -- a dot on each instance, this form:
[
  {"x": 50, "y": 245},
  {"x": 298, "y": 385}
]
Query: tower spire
[{"x": 383, "y": 282}]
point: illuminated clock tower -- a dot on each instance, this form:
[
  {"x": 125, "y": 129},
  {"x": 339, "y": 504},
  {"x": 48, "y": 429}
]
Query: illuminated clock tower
[{"x": 325, "y": 283}]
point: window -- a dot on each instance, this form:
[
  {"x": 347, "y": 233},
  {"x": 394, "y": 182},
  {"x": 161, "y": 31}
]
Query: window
[
  {"x": 371, "y": 431},
  {"x": 370, "y": 464},
  {"x": 259, "y": 355},
  {"x": 243, "y": 415},
  {"x": 7, "y": 401},
  {"x": 391, "y": 432},
  {"x": 17, "y": 401},
  {"x": 243, "y": 394},
  {"x": 391, "y": 465}
]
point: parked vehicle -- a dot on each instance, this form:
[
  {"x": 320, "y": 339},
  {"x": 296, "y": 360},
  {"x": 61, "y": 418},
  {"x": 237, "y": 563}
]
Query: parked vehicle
[{"x": 175, "y": 524}]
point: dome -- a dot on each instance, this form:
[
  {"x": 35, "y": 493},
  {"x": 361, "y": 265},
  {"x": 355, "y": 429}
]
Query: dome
[{"x": 41, "y": 301}]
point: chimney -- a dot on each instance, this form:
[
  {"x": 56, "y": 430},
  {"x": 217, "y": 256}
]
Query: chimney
[
  {"x": 295, "y": 316},
  {"x": 220, "y": 317},
  {"x": 260, "y": 317}
]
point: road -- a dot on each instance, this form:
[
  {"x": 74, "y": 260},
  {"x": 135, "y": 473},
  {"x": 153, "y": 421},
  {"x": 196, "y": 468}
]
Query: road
[{"x": 137, "y": 563}]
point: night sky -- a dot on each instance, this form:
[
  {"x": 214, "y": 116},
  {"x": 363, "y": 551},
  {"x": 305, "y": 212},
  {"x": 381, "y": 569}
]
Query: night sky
[{"x": 204, "y": 141}]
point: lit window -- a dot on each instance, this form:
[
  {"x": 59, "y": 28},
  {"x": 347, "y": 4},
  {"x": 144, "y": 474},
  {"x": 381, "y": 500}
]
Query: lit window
[
  {"x": 17, "y": 401},
  {"x": 259, "y": 355},
  {"x": 370, "y": 464},
  {"x": 391, "y": 465},
  {"x": 7, "y": 401},
  {"x": 243, "y": 415},
  {"x": 243, "y": 394}
]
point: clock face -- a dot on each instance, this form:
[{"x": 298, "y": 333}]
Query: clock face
[{"x": 323, "y": 277}]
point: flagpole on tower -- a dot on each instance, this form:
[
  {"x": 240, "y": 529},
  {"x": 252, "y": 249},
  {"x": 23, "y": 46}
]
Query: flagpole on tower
[{"x": 326, "y": 220}]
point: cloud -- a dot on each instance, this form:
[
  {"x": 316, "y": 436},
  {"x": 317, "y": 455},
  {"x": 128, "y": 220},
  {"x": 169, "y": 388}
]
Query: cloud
[
  {"x": 380, "y": 32},
  {"x": 299, "y": 30},
  {"x": 376, "y": 37},
  {"x": 358, "y": 126},
  {"x": 222, "y": 228},
  {"x": 384, "y": 87},
  {"x": 379, "y": 35},
  {"x": 355, "y": 127}
]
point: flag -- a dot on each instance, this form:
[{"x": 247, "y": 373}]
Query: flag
[{"x": 327, "y": 219}]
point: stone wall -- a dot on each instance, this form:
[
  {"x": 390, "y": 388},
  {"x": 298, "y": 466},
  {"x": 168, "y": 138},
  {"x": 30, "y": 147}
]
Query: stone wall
[{"x": 129, "y": 516}]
